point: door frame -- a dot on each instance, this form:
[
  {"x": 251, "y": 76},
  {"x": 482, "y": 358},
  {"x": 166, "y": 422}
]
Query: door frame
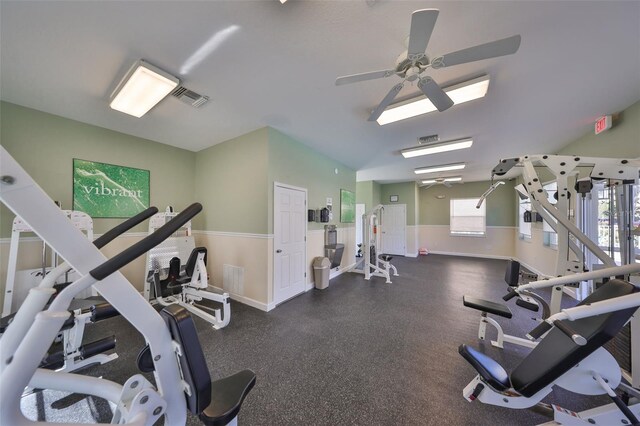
[
  {"x": 404, "y": 235},
  {"x": 273, "y": 253}
]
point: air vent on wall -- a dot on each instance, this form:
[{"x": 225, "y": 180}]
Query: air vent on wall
[{"x": 189, "y": 96}]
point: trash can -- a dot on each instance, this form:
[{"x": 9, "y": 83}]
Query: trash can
[{"x": 321, "y": 272}]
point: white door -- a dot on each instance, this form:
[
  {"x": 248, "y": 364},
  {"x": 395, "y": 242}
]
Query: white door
[
  {"x": 394, "y": 225},
  {"x": 289, "y": 242}
]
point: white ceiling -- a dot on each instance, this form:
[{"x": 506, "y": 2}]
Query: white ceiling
[{"x": 577, "y": 60}]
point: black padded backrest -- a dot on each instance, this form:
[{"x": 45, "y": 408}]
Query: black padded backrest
[
  {"x": 192, "y": 362},
  {"x": 193, "y": 258},
  {"x": 512, "y": 274},
  {"x": 557, "y": 353}
]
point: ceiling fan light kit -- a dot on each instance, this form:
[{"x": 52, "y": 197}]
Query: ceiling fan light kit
[
  {"x": 141, "y": 89},
  {"x": 440, "y": 168},
  {"x": 437, "y": 180},
  {"x": 435, "y": 148},
  {"x": 459, "y": 94},
  {"x": 412, "y": 64}
]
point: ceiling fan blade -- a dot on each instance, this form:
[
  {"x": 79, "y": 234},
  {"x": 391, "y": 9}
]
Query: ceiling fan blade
[
  {"x": 434, "y": 92},
  {"x": 427, "y": 186},
  {"x": 386, "y": 101},
  {"x": 347, "y": 79},
  {"x": 422, "y": 23},
  {"x": 506, "y": 46}
]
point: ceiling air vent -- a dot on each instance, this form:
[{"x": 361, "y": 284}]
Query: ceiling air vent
[{"x": 189, "y": 97}]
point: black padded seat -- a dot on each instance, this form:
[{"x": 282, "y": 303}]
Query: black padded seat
[
  {"x": 490, "y": 370},
  {"x": 487, "y": 306},
  {"x": 215, "y": 403},
  {"x": 193, "y": 258},
  {"x": 386, "y": 257},
  {"x": 192, "y": 362},
  {"x": 228, "y": 395},
  {"x": 556, "y": 353}
]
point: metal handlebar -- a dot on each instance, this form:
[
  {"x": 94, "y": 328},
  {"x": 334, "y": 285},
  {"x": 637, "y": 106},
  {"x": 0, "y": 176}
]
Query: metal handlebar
[
  {"x": 141, "y": 247},
  {"x": 111, "y": 234}
]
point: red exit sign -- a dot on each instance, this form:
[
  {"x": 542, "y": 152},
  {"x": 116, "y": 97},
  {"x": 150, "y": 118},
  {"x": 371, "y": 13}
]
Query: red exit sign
[{"x": 603, "y": 123}]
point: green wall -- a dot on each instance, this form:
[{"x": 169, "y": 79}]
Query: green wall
[
  {"x": 45, "y": 145},
  {"x": 230, "y": 179},
  {"x": 293, "y": 163},
  {"x": 406, "y": 192},
  {"x": 621, "y": 141},
  {"x": 368, "y": 193},
  {"x": 500, "y": 204}
]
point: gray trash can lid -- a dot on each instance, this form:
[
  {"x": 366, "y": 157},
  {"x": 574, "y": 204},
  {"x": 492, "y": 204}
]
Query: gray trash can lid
[{"x": 321, "y": 262}]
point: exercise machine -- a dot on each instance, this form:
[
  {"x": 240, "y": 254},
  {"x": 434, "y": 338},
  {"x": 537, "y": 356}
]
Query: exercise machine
[
  {"x": 174, "y": 355},
  {"x": 13, "y": 293},
  {"x": 185, "y": 280},
  {"x": 570, "y": 355},
  {"x": 571, "y": 256},
  {"x": 526, "y": 299},
  {"x": 71, "y": 354},
  {"x": 374, "y": 264}
]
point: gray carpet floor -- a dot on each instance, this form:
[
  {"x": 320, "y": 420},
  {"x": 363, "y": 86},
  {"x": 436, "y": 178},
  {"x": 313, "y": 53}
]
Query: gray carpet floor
[{"x": 358, "y": 353}]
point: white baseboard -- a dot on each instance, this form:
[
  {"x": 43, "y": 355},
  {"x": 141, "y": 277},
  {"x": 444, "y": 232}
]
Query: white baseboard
[
  {"x": 245, "y": 300},
  {"x": 482, "y": 256},
  {"x": 415, "y": 254}
]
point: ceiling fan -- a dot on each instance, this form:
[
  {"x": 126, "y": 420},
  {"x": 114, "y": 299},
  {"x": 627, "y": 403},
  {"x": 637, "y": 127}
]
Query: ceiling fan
[
  {"x": 412, "y": 63},
  {"x": 441, "y": 181}
]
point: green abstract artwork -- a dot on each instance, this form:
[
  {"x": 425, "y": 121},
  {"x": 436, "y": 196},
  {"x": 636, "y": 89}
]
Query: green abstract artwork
[
  {"x": 109, "y": 191},
  {"x": 347, "y": 206}
]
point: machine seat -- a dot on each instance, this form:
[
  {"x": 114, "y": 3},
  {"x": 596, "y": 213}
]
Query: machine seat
[
  {"x": 490, "y": 370},
  {"x": 228, "y": 395},
  {"x": 556, "y": 353},
  {"x": 215, "y": 403},
  {"x": 386, "y": 257},
  {"x": 487, "y": 306}
]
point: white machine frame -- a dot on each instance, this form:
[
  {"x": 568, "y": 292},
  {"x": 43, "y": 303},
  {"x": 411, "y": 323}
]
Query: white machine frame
[
  {"x": 197, "y": 288},
  {"x": 71, "y": 338},
  {"x": 26, "y": 341},
  {"x": 595, "y": 375},
  {"x": 80, "y": 220},
  {"x": 371, "y": 224},
  {"x": 557, "y": 216}
]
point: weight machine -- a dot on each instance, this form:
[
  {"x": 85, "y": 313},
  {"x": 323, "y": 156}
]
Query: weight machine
[
  {"x": 173, "y": 353},
  {"x": 375, "y": 264},
  {"x": 72, "y": 354},
  {"x": 188, "y": 283}
]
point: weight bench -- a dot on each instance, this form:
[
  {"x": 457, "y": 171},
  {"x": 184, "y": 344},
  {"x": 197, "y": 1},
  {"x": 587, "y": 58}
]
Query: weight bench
[
  {"x": 215, "y": 403},
  {"x": 558, "y": 360},
  {"x": 532, "y": 303}
]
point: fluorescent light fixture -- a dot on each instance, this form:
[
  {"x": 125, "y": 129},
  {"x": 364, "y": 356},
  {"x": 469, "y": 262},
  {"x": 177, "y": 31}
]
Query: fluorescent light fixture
[
  {"x": 283, "y": 1},
  {"x": 141, "y": 89},
  {"x": 435, "y": 148},
  {"x": 459, "y": 94},
  {"x": 442, "y": 168},
  {"x": 449, "y": 179}
]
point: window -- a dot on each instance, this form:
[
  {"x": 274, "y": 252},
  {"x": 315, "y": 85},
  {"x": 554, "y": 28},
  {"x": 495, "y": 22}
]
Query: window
[
  {"x": 550, "y": 236},
  {"x": 524, "y": 228},
  {"x": 466, "y": 219}
]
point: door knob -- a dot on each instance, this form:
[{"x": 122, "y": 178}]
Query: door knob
[{"x": 278, "y": 251}]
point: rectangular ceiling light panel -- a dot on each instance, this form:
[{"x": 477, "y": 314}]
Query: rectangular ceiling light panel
[
  {"x": 142, "y": 88},
  {"x": 449, "y": 179},
  {"x": 442, "y": 168},
  {"x": 436, "y": 148},
  {"x": 459, "y": 93}
]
